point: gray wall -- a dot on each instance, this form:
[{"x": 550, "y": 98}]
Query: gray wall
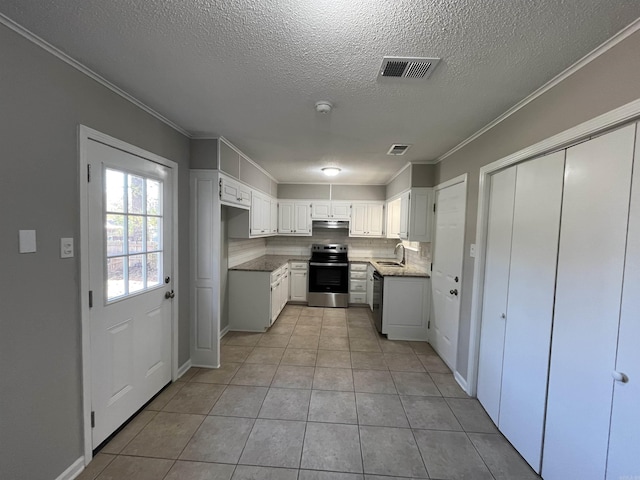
[
  {"x": 358, "y": 192},
  {"x": 324, "y": 191},
  {"x": 423, "y": 175},
  {"x": 399, "y": 184},
  {"x": 43, "y": 101},
  {"x": 303, "y": 191},
  {"x": 606, "y": 83},
  {"x": 204, "y": 154}
]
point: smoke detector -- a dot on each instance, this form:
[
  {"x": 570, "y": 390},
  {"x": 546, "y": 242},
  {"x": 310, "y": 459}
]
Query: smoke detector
[
  {"x": 323, "y": 107},
  {"x": 398, "y": 149},
  {"x": 407, "y": 68}
]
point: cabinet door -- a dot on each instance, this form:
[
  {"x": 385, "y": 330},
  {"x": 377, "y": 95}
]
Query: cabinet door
[
  {"x": 285, "y": 217},
  {"x": 593, "y": 237},
  {"x": 420, "y": 215},
  {"x": 496, "y": 287},
  {"x": 340, "y": 210},
  {"x": 273, "y": 215},
  {"x": 321, "y": 210},
  {"x": 358, "y": 219},
  {"x": 298, "y": 285},
  {"x": 375, "y": 217},
  {"x": 284, "y": 291},
  {"x": 624, "y": 438},
  {"x": 403, "y": 214},
  {"x": 275, "y": 300},
  {"x": 534, "y": 251},
  {"x": 256, "y": 214},
  {"x": 370, "y": 286},
  {"x": 393, "y": 218},
  {"x": 302, "y": 218}
]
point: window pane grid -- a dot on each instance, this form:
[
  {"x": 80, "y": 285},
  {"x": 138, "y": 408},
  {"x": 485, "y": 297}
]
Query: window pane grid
[{"x": 133, "y": 232}]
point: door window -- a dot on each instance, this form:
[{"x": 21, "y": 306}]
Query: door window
[{"x": 133, "y": 233}]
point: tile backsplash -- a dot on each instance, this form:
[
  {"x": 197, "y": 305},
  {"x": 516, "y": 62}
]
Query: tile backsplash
[{"x": 243, "y": 250}]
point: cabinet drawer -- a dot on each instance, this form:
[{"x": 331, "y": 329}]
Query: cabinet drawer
[
  {"x": 358, "y": 286},
  {"x": 359, "y": 275},
  {"x": 298, "y": 265},
  {"x": 356, "y": 267},
  {"x": 276, "y": 274},
  {"x": 358, "y": 298}
]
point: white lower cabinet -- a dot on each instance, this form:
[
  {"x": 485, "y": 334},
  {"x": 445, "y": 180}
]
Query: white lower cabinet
[
  {"x": 405, "y": 308},
  {"x": 358, "y": 282},
  {"x": 298, "y": 276},
  {"x": 370, "y": 271},
  {"x": 256, "y": 298}
]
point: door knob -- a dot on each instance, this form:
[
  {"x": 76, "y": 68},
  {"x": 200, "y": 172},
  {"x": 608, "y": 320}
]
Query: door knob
[
  {"x": 453, "y": 292},
  {"x": 619, "y": 377},
  {"x": 169, "y": 295}
]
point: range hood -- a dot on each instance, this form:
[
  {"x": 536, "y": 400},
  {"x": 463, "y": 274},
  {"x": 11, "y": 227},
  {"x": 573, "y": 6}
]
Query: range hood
[{"x": 331, "y": 224}]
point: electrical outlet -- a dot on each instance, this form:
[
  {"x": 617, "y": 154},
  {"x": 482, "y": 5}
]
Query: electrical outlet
[{"x": 66, "y": 247}]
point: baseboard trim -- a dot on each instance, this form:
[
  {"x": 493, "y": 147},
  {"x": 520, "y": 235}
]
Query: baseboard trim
[
  {"x": 205, "y": 366},
  {"x": 462, "y": 382},
  {"x": 73, "y": 471},
  {"x": 184, "y": 368},
  {"x": 224, "y": 331}
]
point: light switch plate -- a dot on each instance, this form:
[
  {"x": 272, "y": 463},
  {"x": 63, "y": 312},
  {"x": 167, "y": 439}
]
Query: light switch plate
[
  {"x": 27, "y": 241},
  {"x": 66, "y": 247}
]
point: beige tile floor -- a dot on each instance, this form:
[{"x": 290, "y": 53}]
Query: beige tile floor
[{"x": 320, "y": 396}]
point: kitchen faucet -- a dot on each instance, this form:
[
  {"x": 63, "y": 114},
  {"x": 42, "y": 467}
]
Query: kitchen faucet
[{"x": 400, "y": 244}]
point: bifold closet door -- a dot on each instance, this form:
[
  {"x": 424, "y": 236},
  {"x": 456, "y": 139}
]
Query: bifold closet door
[
  {"x": 593, "y": 237},
  {"x": 496, "y": 287},
  {"x": 623, "y": 460},
  {"x": 532, "y": 277}
]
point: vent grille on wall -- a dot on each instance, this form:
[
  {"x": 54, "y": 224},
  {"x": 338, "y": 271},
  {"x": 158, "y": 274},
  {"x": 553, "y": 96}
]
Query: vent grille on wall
[
  {"x": 398, "y": 149},
  {"x": 409, "y": 68}
]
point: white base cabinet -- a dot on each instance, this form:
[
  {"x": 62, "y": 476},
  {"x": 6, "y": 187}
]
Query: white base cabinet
[
  {"x": 298, "y": 284},
  {"x": 405, "y": 308},
  {"x": 358, "y": 283}
]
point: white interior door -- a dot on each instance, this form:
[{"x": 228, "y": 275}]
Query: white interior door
[
  {"x": 130, "y": 262},
  {"x": 623, "y": 460},
  {"x": 532, "y": 278},
  {"x": 496, "y": 290},
  {"x": 593, "y": 236},
  {"x": 446, "y": 277}
]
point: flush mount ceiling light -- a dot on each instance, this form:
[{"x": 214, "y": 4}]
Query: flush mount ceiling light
[
  {"x": 323, "y": 107},
  {"x": 331, "y": 171}
]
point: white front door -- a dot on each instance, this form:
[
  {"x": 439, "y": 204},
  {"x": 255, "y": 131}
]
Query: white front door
[
  {"x": 130, "y": 230},
  {"x": 446, "y": 277}
]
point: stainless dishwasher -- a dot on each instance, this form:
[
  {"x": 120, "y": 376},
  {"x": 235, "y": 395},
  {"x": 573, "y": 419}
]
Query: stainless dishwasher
[{"x": 378, "y": 295}]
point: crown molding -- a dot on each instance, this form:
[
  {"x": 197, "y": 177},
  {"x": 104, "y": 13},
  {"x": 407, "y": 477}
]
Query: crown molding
[{"x": 32, "y": 37}]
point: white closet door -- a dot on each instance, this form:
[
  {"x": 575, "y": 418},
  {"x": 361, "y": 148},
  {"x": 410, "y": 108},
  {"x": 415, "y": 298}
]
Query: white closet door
[
  {"x": 589, "y": 285},
  {"x": 532, "y": 277},
  {"x": 496, "y": 287},
  {"x": 624, "y": 461}
]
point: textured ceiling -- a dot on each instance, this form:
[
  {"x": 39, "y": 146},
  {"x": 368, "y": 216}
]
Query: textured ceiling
[{"x": 253, "y": 70}]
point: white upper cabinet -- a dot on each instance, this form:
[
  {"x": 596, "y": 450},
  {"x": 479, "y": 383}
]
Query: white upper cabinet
[
  {"x": 294, "y": 217},
  {"x": 329, "y": 210},
  {"x": 410, "y": 216},
  {"x": 234, "y": 193},
  {"x": 367, "y": 219},
  {"x": 273, "y": 216},
  {"x": 260, "y": 214}
]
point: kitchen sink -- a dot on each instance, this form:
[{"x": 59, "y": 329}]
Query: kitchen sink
[{"x": 387, "y": 263}]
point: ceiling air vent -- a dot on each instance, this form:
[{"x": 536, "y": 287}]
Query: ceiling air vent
[
  {"x": 398, "y": 149},
  {"x": 407, "y": 68}
]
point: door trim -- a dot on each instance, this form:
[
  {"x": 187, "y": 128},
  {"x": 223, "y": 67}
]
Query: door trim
[
  {"x": 582, "y": 132},
  {"x": 86, "y": 134}
]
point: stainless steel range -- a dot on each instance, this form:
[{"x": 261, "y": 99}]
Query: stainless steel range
[{"x": 328, "y": 276}]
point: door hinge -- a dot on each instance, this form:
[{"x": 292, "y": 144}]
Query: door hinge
[
  {"x": 428, "y": 324},
  {"x": 90, "y": 298},
  {"x": 88, "y": 172},
  {"x": 434, "y": 207},
  {"x": 93, "y": 419},
  {"x": 220, "y": 189}
]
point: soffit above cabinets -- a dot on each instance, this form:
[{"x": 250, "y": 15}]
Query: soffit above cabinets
[{"x": 253, "y": 71}]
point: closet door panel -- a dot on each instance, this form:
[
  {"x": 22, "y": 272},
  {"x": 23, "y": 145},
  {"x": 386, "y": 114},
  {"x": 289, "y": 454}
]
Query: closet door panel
[
  {"x": 534, "y": 251},
  {"x": 496, "y": 285},
  {"x": 624, "y": 461},
  {"x": 589, "y": 285}
]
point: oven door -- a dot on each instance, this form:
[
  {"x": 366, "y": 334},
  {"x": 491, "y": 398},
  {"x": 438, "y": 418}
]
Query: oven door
[{"x": 328, "y": 277}]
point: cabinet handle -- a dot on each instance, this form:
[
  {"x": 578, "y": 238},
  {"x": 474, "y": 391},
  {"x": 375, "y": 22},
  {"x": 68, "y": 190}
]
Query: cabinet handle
[{"x": 619, "y": 377}]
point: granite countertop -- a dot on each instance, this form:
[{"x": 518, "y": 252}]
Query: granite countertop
[
  {"x": 406, "y": 271},
  {"x": 268, "y": 263}
]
